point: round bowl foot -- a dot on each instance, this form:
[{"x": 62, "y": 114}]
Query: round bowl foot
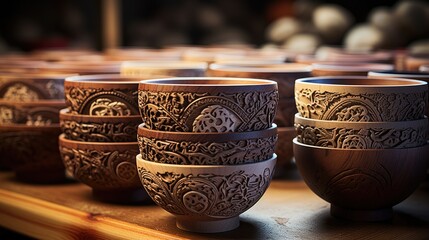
[
  {"x": 120, "y": 195},
  {"x": 362, "y": 215},
  {"x": 208, "y": 226}
]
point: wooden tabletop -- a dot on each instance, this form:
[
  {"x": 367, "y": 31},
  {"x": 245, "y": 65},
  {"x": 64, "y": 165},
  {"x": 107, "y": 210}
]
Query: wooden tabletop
[{"x": 288, "y": 210}]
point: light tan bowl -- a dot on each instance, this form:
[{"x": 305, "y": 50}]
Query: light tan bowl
[
  {"x": 108, "y": 168},
  {"x": 208, "y": 104},
  {"x": 168, "y": 68},
  {"x": 195, "y": 148},
  {"x": 206, "y": 199},
  {"x": 362, "y": 184},
  {"x": 361, "y": 135},
  {"x": 88, "y": 128},
  {"x": 361, "y": 99}
]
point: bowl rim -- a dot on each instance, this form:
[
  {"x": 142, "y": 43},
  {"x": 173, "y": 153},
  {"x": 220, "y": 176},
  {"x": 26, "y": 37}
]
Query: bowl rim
[
  {"x": 207, "y": 136},
  {"x": 202, "y": 82},
  {"x": 316, "y": 82},
  {"x": 351, "y": 66},
  {"x": 359, "y": 125},
  {"x": 296, "y": 142},
  {"x": 91, "y": 80},
  {"x": 261, "y": 68},
  {"x": 399, "y": 74},
  {"x": 188, "y": 167},
  {"x": 65, "y": 114},
  {"x": 105, "y": 145}
]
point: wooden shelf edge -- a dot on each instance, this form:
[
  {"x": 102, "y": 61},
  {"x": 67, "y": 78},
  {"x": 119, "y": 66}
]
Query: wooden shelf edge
[{"x": 45, "y": 220}]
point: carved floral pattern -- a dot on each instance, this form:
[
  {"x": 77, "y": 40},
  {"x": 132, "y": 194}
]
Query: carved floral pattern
[
  {"x": 372, "y": 138},
  {"x": 98, "y": 169},
  {"x": 207, "y": 153},
  {"x": 100, "y": 132},
  {"x": 183, "y": 111},
  {"x": 21, "y": 93},
  {"x": 370, "y": 107},
  {"x": 100, "y": 102},
  {"x": 207, "y": 195}
]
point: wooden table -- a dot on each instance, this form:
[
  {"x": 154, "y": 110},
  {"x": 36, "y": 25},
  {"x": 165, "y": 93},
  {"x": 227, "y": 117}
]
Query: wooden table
[{"x": 288, "y": 210}]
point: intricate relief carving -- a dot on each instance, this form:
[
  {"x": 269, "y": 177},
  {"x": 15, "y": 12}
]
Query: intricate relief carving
[
  {"x": 21, "y": 93},
  {"x": 100, "y": 132},
  {"x": 372, "y": 138},
  {"x": 100, "y": 102},
  {"x": 215, "y": 118},
  {"x": 102, "y": 169},
  {"x": 34, "y": 116},
  {"x": 181, "y": 111},
  {"x": 205, "y": 194},
  {"x": 207, "y": 153},
  {"x": 374, "y": 107}
]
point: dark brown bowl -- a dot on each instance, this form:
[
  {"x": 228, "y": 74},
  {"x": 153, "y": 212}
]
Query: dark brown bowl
[
  {"x": 362, "y": 184},
  {"x": 208, "y": 104},
  {"x": 32, "y": 152},
  {"x": 88, "y": 128},
  {"x": 32, "y": 86},
  {"x": 196, "y": 148},
  {"x": 108, "y": 168},
  {"x": 284, "y": 151},
  {"x": 43, "y": 112},
  {"x": 102, "y": 95}
]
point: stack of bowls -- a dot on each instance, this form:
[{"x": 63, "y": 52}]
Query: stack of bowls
[
  {"x": 29, "y": 126},
  {"x": 98, "y": 145},
  {"x": 207, "y": 147},
  {"x": 361, "y": 142},
  {"x": 285, "y": 76}
]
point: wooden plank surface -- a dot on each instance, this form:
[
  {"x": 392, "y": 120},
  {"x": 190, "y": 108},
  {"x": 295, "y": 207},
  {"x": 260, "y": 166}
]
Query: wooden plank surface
[{"x": 288, "y": 210}]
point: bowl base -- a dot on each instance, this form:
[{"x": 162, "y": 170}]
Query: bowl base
[
  {"x": 120, "y": 196},
  {"x": 362, "y": 215},
  {"x": 208, "y": 226}
]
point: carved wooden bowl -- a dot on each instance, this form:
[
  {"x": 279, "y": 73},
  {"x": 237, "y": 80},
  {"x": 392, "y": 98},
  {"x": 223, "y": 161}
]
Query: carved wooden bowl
[
  {"x": 362, "y": 184},
  {"x": 32, "y": 152},
  {"x": 206, "y": 199},
  {"x": 361, "y": 99},
  {"x": 102, "y": 95},
  {"x": 208, "y": 104},
  {"x": 108, "y": 168},
  {"x": 89, "y": 128},
  {"x": 361, "y": 135},
  {"x": 347, "y": 68},
  {"x": 284, "y": 151},
  {"x": 32, "y": 86},
  {"x": 168, "y": 68},
  {"x": 43, "y": 112},
  {"x": 251, "y": 57},
  {"x": 284, "y": 74},
  {"x": 197, "y": 148}
]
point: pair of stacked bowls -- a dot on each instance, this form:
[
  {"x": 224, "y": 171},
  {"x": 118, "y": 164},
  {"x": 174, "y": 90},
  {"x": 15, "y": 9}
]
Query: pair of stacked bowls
[
  {"x": 99, "y": 141},
  {"x": 207, "y": 147},
  {"x": 29, "y": 126},
  {"x": 361, "y": 143},
  {"x": 285, "y": 75}
]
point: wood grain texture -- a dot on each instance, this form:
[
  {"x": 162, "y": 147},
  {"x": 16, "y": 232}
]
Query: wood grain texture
[{"x": 288, "y": 210}]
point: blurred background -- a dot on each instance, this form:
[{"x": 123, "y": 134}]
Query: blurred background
[{"x": 299, "y": 24}]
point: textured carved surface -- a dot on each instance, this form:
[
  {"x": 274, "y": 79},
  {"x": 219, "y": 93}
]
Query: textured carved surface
[
  {"x": 207, "y": 153},
  {"x": 101, "y": 102},
  {"x": 205, "y": 194},
  {"x": 371, "y": 138},
  {"x": 371, "y": 107},
  {"x": 185, "y": 111},
  {"x": 31, "y": 89},
  {"x": 32, "y": 116},
  {"x": 100, "y": 131},
  {"x": 102, "y": 169}
]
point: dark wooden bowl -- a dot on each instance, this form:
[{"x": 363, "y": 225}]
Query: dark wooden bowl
[
  {"x": 88, "y": 128},
  {"x": 32, "y": 86},
  {"x": 102, "y": 95},
  {"x": 361, "y": 135},
  {"x": 361, "y": 99},
  {"x": 108, "y": 168},
  {"x": 208, "y": 104},
  {"x": 196, "y": 148},
  {"x": 32, "y": 152},
  {"x": 167, "y": 68},
  {"x": 43, "y": 112},
  {"x": 284, "y": 151},
  {"x": 347, "y": 68},
  {"x": 362, "y": 184}
]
